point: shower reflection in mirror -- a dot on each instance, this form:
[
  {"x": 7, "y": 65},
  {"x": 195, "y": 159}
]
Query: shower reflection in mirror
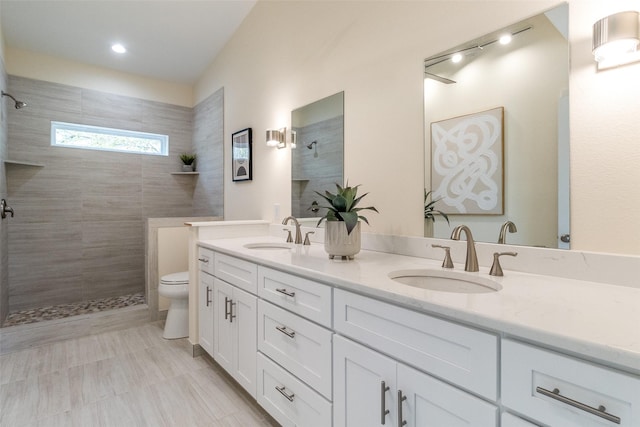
[{"x": 317, "y": 162}]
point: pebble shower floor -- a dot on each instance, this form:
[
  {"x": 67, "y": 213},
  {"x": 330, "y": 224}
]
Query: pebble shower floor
[{"x": 61, "y": 311}]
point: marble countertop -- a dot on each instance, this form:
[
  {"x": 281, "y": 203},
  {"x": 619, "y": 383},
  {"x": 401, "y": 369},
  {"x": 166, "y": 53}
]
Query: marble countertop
[{"x": 596, "y": 321}]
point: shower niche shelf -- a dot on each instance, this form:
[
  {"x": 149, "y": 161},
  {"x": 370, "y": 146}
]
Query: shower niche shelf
[
  {"x": 185, "y": 173},
  {"x": 22, "y": 163}
]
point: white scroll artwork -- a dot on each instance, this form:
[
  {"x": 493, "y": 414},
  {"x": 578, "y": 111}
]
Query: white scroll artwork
[{"x": 466, "y": 163}]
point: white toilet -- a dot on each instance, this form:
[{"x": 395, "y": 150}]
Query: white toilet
[{"x": 175, "y": 286}]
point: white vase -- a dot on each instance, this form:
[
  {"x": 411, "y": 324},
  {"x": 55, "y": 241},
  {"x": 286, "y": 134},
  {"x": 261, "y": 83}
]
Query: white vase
[
  {"x": 337, "y": 243},
  {"x": 187, "y": 168}
]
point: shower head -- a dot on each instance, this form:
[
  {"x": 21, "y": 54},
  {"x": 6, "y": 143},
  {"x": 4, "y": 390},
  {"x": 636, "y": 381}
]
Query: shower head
[
  {"x": 19, "y": 104},
  {"x": 310, "y": 146}
]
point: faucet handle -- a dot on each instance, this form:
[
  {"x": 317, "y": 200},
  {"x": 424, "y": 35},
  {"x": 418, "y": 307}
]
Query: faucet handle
[
  {"x": 447, "y": 262},
  {"x": 289, "y": 238},
  {"x": 307, "y": 242},
  {"x": 496, "y": 269}
]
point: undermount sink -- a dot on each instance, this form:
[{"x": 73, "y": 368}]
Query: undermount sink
[
  {"x": 445, "y": 281},
  {"x": 268, "y": 245}
]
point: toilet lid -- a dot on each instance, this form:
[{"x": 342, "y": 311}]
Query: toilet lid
[{"x": 180, "y": 278}]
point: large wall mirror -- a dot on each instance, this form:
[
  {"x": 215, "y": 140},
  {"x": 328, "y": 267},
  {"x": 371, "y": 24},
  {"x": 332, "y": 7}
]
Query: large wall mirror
[
  {"x": 317, "y": 162},
  {"x": 521, "y": 152}
]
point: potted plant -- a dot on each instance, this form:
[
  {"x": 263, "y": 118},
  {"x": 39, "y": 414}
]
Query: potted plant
[
  {"x": 342, "y": 232},
  {"x": 188, "y": 162},
  {"x": 430, "y": 212}
]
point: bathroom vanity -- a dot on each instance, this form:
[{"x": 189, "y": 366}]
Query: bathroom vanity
[{"x": 322, "y": 342}]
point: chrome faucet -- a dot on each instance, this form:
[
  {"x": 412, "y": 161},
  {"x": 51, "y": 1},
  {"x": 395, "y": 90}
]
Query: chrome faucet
[
  {"x": 511, "y": 227},
  {"x": 298, "y": 239},
  {"x": 471, "y": 263}
]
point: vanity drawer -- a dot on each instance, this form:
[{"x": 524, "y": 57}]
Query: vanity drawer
[
  {"x": 455, "y": 353},
  {"x": 287, "y": 399},
  {"x": 205, "y": 260},
  {"x": 509, "y": 420},
  {"x": 302, "y": 296},
  {"x": 238, "y": 272},
  {"x": 531, "y": 375},
  {"x": 301, "y": 347}
]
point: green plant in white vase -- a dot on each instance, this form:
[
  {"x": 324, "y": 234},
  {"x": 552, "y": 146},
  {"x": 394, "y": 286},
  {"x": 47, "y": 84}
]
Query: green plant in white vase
[
  {"x": 342, "y": 232},
  {"x": 188, "y": 162}
]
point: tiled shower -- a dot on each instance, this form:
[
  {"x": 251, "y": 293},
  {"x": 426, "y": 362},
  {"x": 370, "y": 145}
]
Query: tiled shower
[{"x": 78, "y": 232}]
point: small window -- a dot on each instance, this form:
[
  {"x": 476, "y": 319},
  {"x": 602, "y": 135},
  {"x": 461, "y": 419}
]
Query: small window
[{"x": 108, "y": 139}]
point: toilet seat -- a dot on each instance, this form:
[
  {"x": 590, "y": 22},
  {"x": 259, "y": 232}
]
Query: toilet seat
[{"x": 181, "y": 278}]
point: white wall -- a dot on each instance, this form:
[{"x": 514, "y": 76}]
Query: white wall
[
  {"x": 374, "y": 52},
  {"x": 37, "y": 66}
]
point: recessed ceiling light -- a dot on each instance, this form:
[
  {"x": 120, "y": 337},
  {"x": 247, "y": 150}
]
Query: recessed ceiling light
[
  {"x": 505, "y": 39},
  {"x": 456, "y": 58},
  {"x": 118, "y": 48}
]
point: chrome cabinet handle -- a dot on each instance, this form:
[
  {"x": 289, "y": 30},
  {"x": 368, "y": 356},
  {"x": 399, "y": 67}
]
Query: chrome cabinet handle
[
  {"x": 601, "y": 411},
  {"x": 208, "y": 296},
  {"x": 285, "y": 292},
  {"x": 203, "y": 260},
  {"x": 282, "y": 390},
  {"x": 383, "y": 405},
  {"x": 401, "y": 399},
  {"x": 228, "y": 309},
  {"x": 283, "y": 329}
]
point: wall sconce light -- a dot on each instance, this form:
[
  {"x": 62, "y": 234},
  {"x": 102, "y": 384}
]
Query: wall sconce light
[
  {"x": 277, "y": 138},
  {"x": 616, "y": 39}
]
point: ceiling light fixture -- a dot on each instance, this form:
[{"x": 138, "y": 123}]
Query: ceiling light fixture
[
  {"x": 457, "y": 57},
  {"x": 616, "y": 39},
  {"x": 505, "y": 39},
  {"x": 118, "y": 48}
]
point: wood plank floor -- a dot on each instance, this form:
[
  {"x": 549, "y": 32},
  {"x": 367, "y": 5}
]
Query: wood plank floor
[{"x": 130, "y": 377}]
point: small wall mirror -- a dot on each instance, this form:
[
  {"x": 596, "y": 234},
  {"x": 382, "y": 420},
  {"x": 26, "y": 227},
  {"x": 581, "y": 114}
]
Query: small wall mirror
[
  {"x": 524, "y": 85},
  {"x": 317, "y": 162}
]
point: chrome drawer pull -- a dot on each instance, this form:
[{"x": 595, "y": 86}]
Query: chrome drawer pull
[
  {"x": 203, "y": 260},
  {"x": 383, "y": 410},
  {"x": 600, "y": 411},
  {"x": 283, "y": 329},
  {"x": 208, "y": 296},
  {"x": 401, "y": 399},
  {"x": 285, "y": 292},
  {"x": 285, "y": 394}
]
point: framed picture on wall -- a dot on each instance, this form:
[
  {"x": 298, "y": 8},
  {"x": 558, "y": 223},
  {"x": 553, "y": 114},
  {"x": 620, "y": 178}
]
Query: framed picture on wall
[
  {"x": 467, "y": 166},
  {"x": 241, "y": 155}
]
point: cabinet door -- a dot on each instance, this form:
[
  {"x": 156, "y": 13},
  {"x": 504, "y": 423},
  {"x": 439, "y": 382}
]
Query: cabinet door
[
  {"x": 428, "y": 402},
  {"x": 205, "y": 312},
  {"x": 244, "y": 321},
  {"x": 222, "y": 327},
  {"x": 360, "y": 379}
]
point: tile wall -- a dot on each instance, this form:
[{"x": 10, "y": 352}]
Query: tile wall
[
  {"x": 318, "y": 168},
  {"x": 4, "y": 249},
  {"x": 78, "y": 233}
]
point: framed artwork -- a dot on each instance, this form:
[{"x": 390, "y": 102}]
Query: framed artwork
[
  {"x": 241, "y": 155},
  {"x": 467, "y": 166}
]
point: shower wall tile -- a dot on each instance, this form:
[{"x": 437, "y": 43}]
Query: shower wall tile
[
  {"x": 208, "y": 143},
  {"x": 82, "y": 214},
  {"x": 4, "y": 225}
]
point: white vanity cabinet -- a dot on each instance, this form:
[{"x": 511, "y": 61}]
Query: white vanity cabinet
[
  {"x": 559, "y": 390},
  {"x": 374, "y": 390},
  {"x": 295, "y": 344},
  {"x": 234, "y": 338},
  {"x": 205, "y": 299}
]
